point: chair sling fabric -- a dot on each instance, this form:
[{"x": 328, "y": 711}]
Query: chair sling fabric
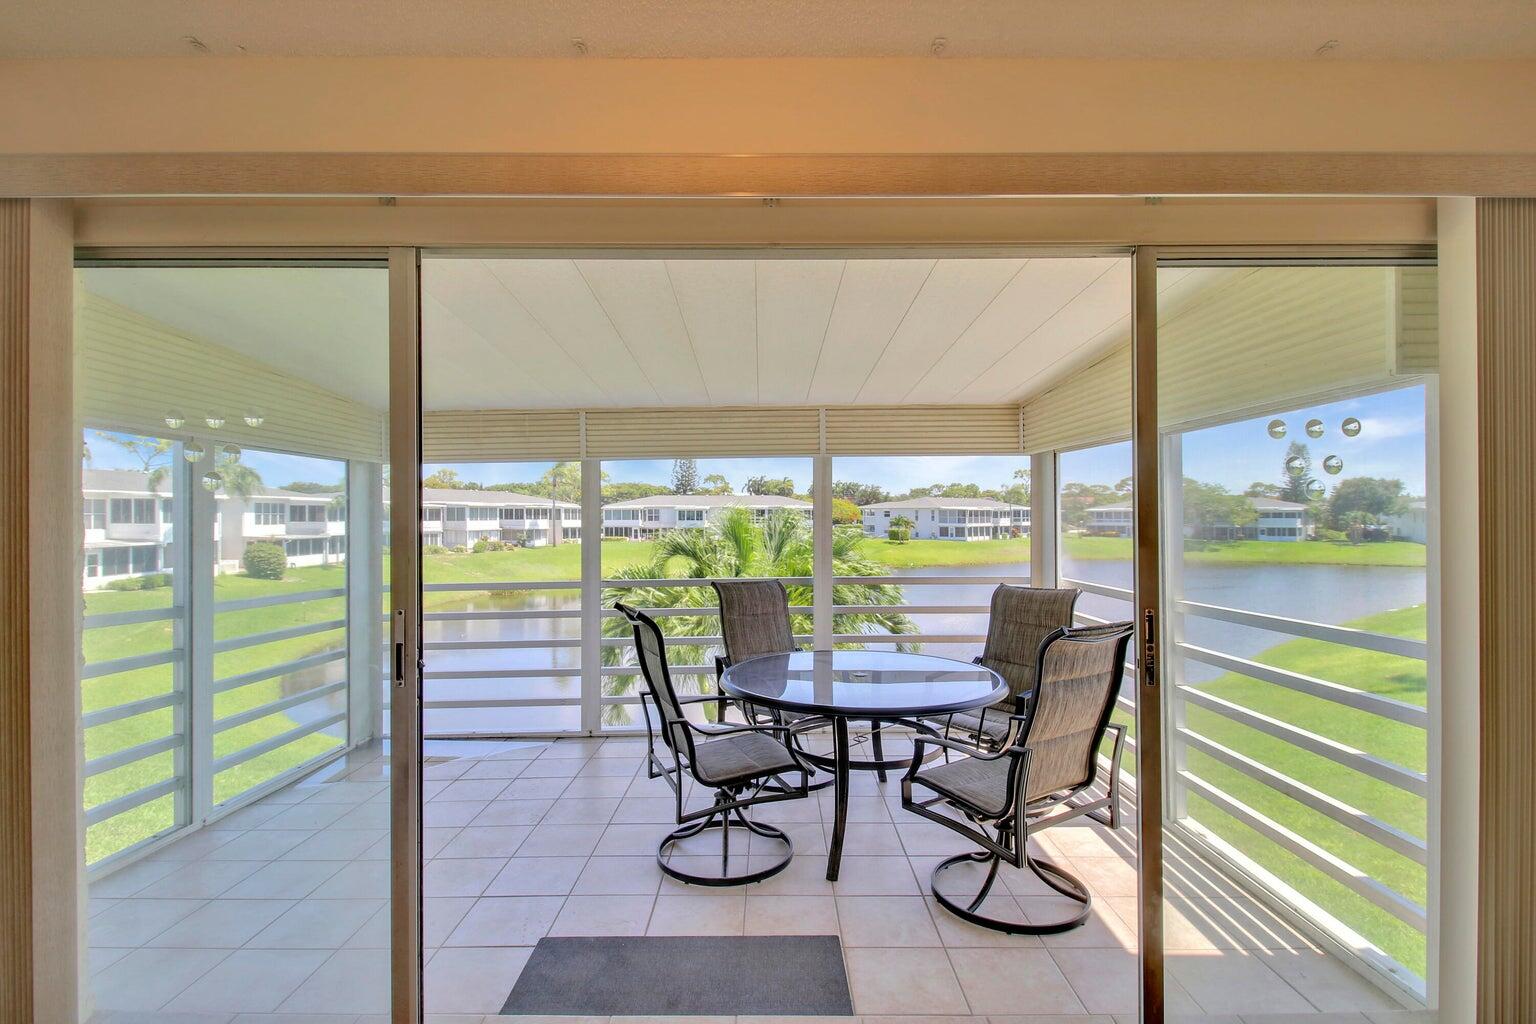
[
  {"x": 1036, "y": 781},
  {"x": 754, "y": 618},
  {"x": 1021, "y": 619}
]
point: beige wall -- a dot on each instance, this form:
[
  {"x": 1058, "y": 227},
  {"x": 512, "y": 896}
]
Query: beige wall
[{"x": 786, "y": 106}]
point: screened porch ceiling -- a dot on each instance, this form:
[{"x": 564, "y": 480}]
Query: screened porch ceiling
[{"x": 520, "y": 333}]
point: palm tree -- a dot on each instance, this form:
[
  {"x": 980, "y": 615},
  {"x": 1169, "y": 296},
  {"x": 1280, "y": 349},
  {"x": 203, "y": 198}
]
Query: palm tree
[
  {"x": 732, "y": 545},
  {"x": 235, "y": 477}
]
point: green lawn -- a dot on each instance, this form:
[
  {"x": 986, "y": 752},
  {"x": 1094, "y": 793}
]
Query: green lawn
[
  {"x": 1388, "y": 675},
  {"x": 125, "y": 829}
]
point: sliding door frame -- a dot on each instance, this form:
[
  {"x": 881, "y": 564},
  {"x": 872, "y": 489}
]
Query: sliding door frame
[
  {"x": 406, "y": 962},
  {"x": 1157, "y": 462},
  {"x": 1147, "y": 492}
]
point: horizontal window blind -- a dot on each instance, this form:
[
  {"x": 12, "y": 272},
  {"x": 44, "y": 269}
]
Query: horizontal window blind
[
  {"x": 1091, "y": 407},
  {"x": 701, "y": 432},
  {"x": 134, "y": 371},
  {"x": 1247, "y": 341},
  {"x": 1417, "y": 335},
  {"x": 505, "y": 434},
  {"x": 923, "y": 430},
  {"x": 494, "y": 435},
  {"x": 1266, "y": 339}
]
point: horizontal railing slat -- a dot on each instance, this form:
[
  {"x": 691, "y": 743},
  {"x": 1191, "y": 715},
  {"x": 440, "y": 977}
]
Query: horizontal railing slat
[
  {"x": 128, "y": 801},
  {"x": 248, "y": 603},
  {"x": 274, "y": 707},
  {"x": 128, "y": 755},
  {"x": 255, "y": 750},
  {"x": 1352, "y": 818},
  {"x": 1383, "y": 771},
  {"x": 132, "y": 663},
  {"x": 1348, "y": 696},
  {"x": 274, "y": 635},
  {"x": 1362, "y": 638},
  {"x": 1346, "y": 874},
  {"x": 1101, "y": 589},
  {"x": 281, "y": 669},
  {"x": 143, "y": 706},
  {"x": 106, "y": 620}
]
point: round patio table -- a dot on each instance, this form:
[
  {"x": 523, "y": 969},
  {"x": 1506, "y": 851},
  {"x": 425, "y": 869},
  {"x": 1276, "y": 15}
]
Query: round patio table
[{"x": 873, "y": 686}]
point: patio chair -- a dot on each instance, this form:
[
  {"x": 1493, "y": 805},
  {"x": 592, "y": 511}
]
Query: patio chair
[
  {"x": 1020, "y": 621},
  {"x": 754, "y": 621},
  {"x": 735, "y": 761},
  {"x": 1039, "y": 778}
]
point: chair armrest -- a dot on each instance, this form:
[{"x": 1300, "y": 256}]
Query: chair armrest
[
  {"x": 701, "y": 698},
  {"x": 724, "y": 730},
  {"x": 1007, "y": 749}
]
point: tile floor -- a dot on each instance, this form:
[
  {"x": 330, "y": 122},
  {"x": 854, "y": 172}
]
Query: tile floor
[{"x": 278, "y": 914}]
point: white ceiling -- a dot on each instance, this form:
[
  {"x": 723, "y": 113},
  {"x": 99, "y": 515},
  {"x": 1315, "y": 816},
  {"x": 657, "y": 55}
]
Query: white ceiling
[
  {"x": 1284, "y": 29},
  {"x": 519, "y": 333},
  {"x": 563, "y": 333}
]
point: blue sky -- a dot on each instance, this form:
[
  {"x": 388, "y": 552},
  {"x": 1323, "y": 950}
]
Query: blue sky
[
  {"x": 276, "y": 469},
  {"x": 1390, "y": 444}
]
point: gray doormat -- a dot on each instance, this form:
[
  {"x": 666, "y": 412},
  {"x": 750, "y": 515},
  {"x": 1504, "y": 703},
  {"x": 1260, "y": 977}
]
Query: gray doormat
[{"x": 783, "y": 975}]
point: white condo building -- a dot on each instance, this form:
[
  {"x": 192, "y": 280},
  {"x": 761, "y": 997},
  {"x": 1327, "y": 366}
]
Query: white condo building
[
  {"x": 642, "y": 518},
  {"x": 1276, "y": 520},
  {"x": 948, "y": 518},
  {"x": 459, "y": 518}
]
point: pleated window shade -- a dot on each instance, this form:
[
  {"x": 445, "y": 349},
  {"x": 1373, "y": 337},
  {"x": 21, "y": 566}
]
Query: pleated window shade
[
  {"x": 511, "y": 435},
  {"x": 134, "y": 371},
  {"x": 1250, "y": 341}
]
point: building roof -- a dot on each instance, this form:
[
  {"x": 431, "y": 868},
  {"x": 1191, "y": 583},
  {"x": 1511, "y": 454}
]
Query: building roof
[
  {"x": 118, "y": 480},
  {"x": 712, "y": 501},
  {"x": 455, "y": 496},
  {"x": 958, "y": 503}
]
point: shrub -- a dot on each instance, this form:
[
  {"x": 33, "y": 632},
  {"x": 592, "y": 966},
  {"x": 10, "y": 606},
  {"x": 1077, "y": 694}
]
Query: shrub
[
  {"x": 153, "y": 581},
  {"x": 1334, "y": 536},
  {"x": 264, "y": 561},
  {"x": 485, "y": 544},
  {"x": 433, "y": 549},
  {"x": 898, "y": 536},
  {"x": 459, "y": 549}
]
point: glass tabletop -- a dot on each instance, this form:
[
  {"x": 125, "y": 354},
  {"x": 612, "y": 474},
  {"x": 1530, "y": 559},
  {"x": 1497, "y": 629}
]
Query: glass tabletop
[{"x": 881, "y": 684}]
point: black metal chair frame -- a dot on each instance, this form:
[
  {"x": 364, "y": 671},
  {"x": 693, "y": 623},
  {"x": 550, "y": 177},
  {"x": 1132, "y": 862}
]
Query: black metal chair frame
[
  {"x": 731, "y": 801},
  {"x": 751, "y": 712},
  {"x": 1011, "y": 829}
]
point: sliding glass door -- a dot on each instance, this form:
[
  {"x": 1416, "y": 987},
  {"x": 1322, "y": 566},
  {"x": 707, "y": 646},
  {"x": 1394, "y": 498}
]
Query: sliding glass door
[
  {"x": 237, "y": 790},
  {"x": 1295, "y": 436}
]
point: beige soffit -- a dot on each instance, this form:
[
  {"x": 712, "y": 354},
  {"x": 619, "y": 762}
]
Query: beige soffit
[
  {"x": 1236, "y": 343},
  {"x": 133, "y": 371}
]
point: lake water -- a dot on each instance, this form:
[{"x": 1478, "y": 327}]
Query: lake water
[{"x": 1322, "y": 593}]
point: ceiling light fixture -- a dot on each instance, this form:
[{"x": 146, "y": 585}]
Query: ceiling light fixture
[
  {"x": 580, "y": 46},
  {"x": 938, "y": 46}
]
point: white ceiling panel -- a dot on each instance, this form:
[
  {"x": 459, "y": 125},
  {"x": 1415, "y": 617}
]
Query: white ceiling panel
[
  {"x": 872, "y": 302},
  {"x": 794, "y": 306},
  {"x": 1034, "y": 295},
  {"x": 718, "y": 299},
  {"x": 641, "y": 305},
  {"x": 555, "y": 294},
  {"x": 519, "y": 362},
  {"x": 955, "y": 294}
]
